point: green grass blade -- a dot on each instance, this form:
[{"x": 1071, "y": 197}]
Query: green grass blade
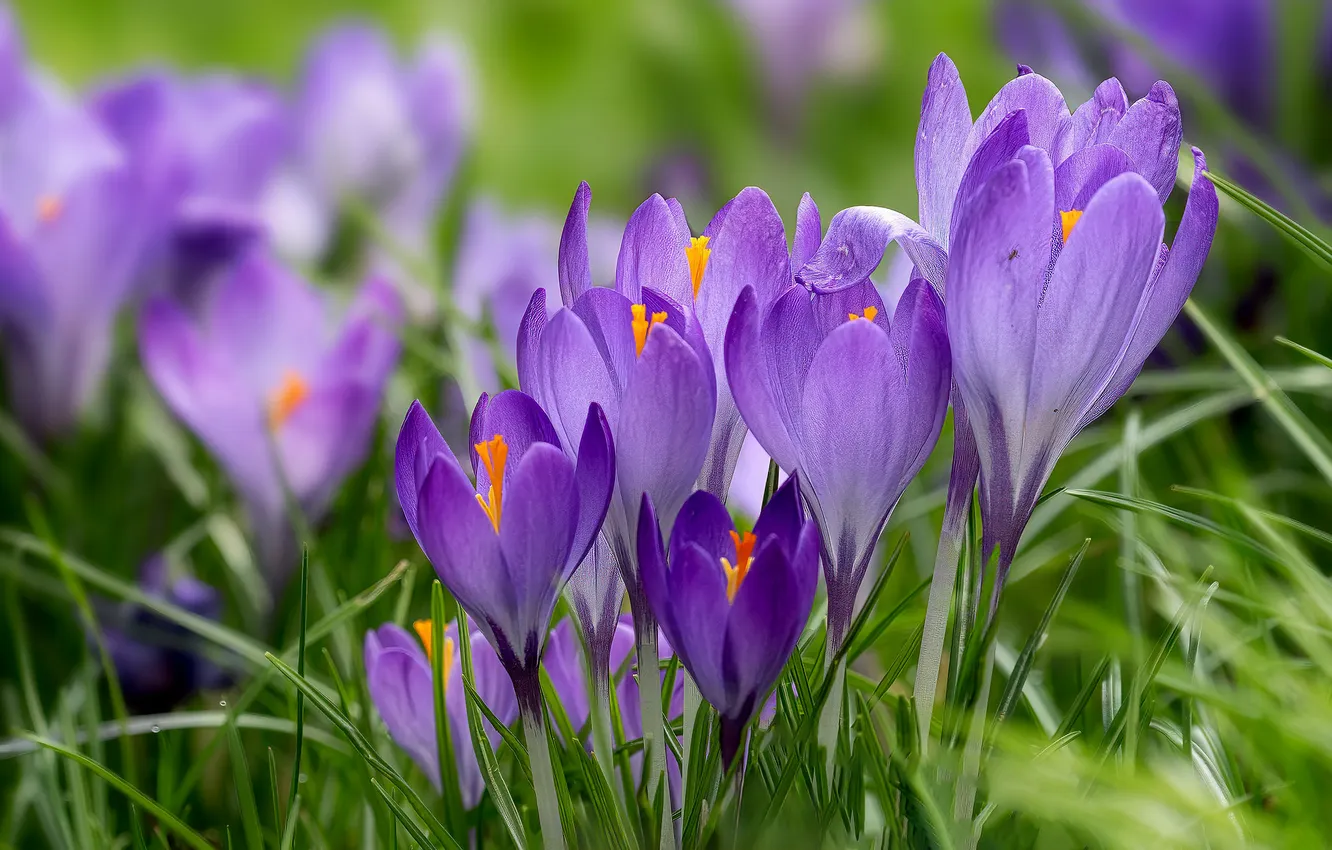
[
  {"x": 289, "y": 834},
  {"x": 485, "y": 757},
  {"x": 448, "y": 773},
  {"x": 240, "y": 774},
  {"x": 1310, "y": 441},
  {"x": 1320, "y": 359},
  {"x": 1174, "y": 515},
  {"x": 1018, "y": 678},
  {"x": 1305, "y": 239},
  {"x": 401, "y": 814},
  {"x": 300, "y": 671},
  {"x": 163, "y": 815}
]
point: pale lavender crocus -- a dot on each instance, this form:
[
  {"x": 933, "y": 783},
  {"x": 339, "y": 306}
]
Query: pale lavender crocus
[
  {"x": 281, "y": 388},
  {"x": 212, "y": 144},
  {"x": 372, "y": 130},
  {"x": 831, "y": 387},
  {"x": 74, "y": 223},
  {"x": 400, "y": 677}
]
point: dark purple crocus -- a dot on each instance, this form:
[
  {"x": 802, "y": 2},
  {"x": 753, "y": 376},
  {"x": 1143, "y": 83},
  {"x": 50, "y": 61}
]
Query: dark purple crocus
[
  {"x": 505, "y": 546},
  {"x": 370, "y": 129},
  {"x": 74, "y": 222},
  {"x": 160, "y": 663},
  {"x": 732, "y": 605},
  {"x": 400, "y": 677},
  {"x": 854, "y": 402},
  {"x": 1059, "y": 288},
  {"x": 282, "y": 391},
  {"x": 211, "y": 144}
]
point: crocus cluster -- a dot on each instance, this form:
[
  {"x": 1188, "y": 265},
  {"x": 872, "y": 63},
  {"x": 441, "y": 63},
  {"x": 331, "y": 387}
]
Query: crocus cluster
[{"x": 1044, "y": 229}]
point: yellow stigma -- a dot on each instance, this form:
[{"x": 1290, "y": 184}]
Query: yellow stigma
[
  {"x": 1067, "y": 219},
  {"x": 494, "y": 454},
  {"x": 287, "y": 398},
  {"x": 870, "y": 313},
  {"x": 698, "y": 253},
  {"x": 49, "y": 208},
  {"x": 425, "y": 631},
  {"x": 642, "y": 324},
  {"x": 744, "y": 558}
]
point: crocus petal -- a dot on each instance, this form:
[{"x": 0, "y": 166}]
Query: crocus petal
[
  {"x": 530, "y": 331},
  {"x": 856, "y": 241},
  {"x": 419, "y": 442},
  {"x": 761, "y": 630},
  {"x": 1047, "y": 115},
  {"x": 520, "y": 420},
  {"x": 1000, "y": 251},
  {"x": 596, "y": 592},
  {"x": 945, "y": 123},
  {"x": 664, "y": 425},
  {"x": 325, "y": 438},
  {"x": 457, "y": 537},
  {"x": 540, "y": 519},
  {"x": 704, "y": 522},
  {"x": 1079, "y": 177},
  {"x": 595, "y": 474},
  {"x": 652, "y": 254},
  {"x": 1174, "y": 281},
  {"x": 1150, "y": 134},
  {"x": 782, "y": 518},
  {"x": 400, "y": 686},
  {"x": 749, "y": 249},
  {"x": 575, "y": 267},
  {"x": 1001, "y": 146},
  {"x": 608, "y": 317},
  {"x": 809, "y": 232},
  {"x": 747, "y": 373},
  {"x": 1095, "y": 120},
  {"x": 1090, "y": 305},
  {"x": 572, "y": 375},
  {"x": 697, "y": 590}
]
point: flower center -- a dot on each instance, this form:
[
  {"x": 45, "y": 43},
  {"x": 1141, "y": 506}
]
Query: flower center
[
  {"x": 287, "y": 398},
  {"x": 49, "y": 208},
  {"x": 494, "y": 454},
  {"x": 870, "y": 313},
  {"x": 1068, "y": 218},
  {"x": 698, "y": 253},
  {"x": 643, "y": 323},
  {"x": 744, "y": 558},
  {"x": 425, "y": 631}
]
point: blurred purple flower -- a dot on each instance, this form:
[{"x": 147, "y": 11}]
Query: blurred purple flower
[
  {"x": 153, "y": 657},
  {"x": 732, "y": 605},
  {"x": 506, "y": 546},
  {"x": 277, "y": 389},
  {"x": 400, "y": 679},
  {"x": 212, "y": 144},
  {"x": 637, "y": 353},
  {"x": 368, "y": 128},
  {"x": 832, "y": 389},
  {"x": 74, "y": 221}
]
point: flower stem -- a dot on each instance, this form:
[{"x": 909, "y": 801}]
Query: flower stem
[
  {"x": 603, "y": 738},
  {"x": 543, "y": 773},
  {"x": 964, "y": 803},
  {"x": 936, "y": 621},
  {"x": 831, "y": 720},
  {"x": 692, "y": 700},
  {"x": 654, "y": 727}
]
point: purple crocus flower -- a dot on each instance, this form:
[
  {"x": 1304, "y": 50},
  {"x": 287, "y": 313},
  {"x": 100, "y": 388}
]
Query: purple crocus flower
[
  {"x": 830, "y": 387},
  {"x": 371, "y": 129},
  {"x": 1049, "y": 332},
  {"x": 74, "y": 221},
  {"x": 212, "y": 143},
  {"x": 158, "y": 662},
  {"x": 733, "y": 605},
  {"x": 280, "y": 392},
  {"x": 400, "y": 678},
  {"x": 637, "y": 353},
  {"x": 506, "y": 546}
]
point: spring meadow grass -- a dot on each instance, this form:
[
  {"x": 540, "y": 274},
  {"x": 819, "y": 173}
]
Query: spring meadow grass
[{"x": 1158, "y": 672}]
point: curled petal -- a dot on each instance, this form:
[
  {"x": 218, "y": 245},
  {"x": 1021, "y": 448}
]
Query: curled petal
[
  {"x": 856, "y": 241},
  {"x": 945, "y": 123}
]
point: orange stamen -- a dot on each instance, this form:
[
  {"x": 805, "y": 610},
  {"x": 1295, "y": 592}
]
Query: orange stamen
[
  {"x": 49, "y": 208},
  {"x": 698, "y": 253},
  {"x": 287, "y": 398},
  {"x": 642, "y": 324},
  {"x": 870, "y": 313},
  {"x": 494, "y": 454},
  {"x": 425, "y": 631},
  {"x": 744, "y": 559},
  {"x": 1067, "y": 219}
]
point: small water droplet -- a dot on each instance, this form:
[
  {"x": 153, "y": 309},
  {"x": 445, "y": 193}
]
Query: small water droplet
[
  {"x": 222, "y": 703},
  {"x": 303, "y": 779},
  {"x": 155, "y": 729}
]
